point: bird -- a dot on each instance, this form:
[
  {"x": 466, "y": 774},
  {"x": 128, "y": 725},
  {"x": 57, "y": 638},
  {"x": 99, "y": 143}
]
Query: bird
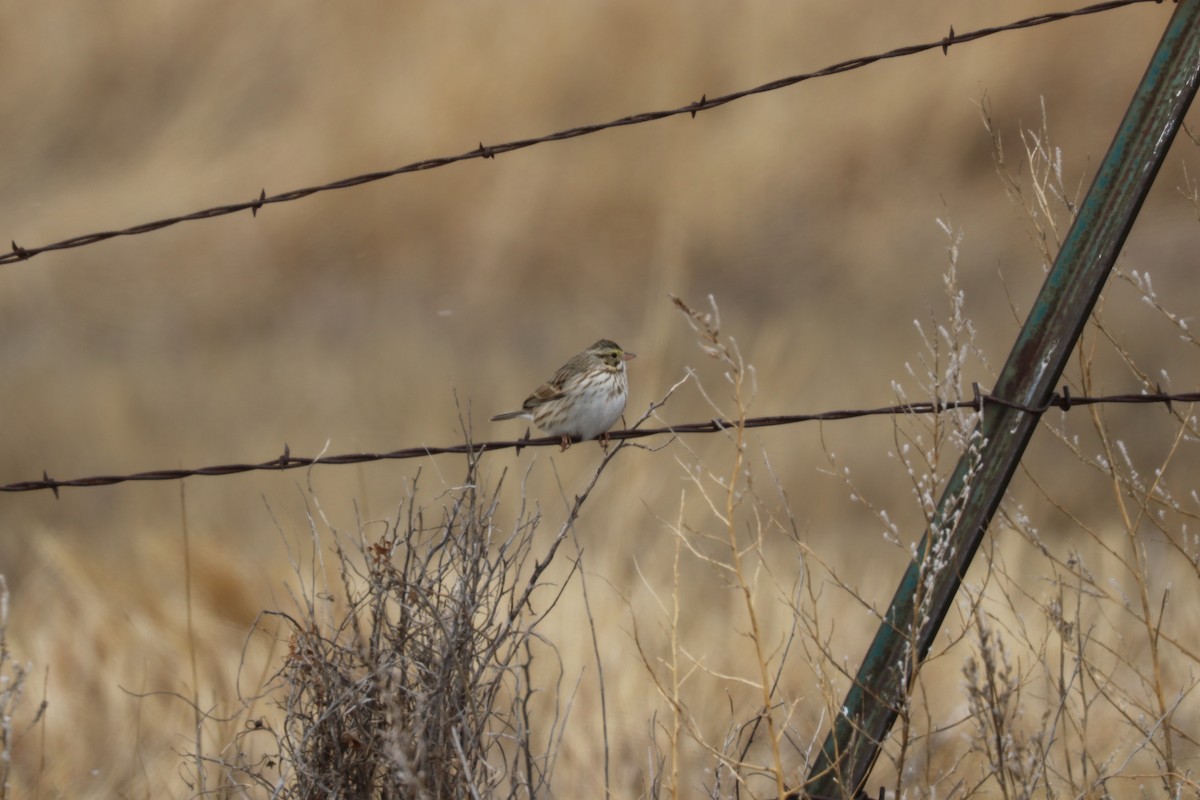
[{"x": 584, "y": 398}]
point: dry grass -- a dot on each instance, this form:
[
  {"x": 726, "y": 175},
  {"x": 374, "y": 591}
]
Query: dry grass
[{"x": 717, "y": 593}]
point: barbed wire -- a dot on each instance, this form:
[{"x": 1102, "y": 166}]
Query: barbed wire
[
  {"x": 705, "y": 103},
  {"x": 1063, "y": 400}
]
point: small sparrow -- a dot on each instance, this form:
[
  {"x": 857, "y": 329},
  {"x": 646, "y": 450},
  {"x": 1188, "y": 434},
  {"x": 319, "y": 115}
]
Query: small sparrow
[{"x": 583, "y": 399}]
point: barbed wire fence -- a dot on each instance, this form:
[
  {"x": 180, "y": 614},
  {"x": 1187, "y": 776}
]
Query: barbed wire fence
[
  {"x": 979, "y": 402},
  {"x": 705, "y": 103},
  {"x": 288, "y": 461},
  {"x": 1063, "y": 400}
]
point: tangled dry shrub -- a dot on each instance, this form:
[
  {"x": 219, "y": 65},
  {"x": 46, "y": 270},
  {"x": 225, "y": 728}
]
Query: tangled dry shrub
[
  {"x": 419, "y": 689},
  {"x": 13, "y": 674},
  {"x": 418, "y": 670},
  {"x": 409, "y": 676}
]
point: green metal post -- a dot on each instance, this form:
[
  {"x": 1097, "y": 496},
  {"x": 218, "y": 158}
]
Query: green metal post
[{"x": 1028, "y": 378}]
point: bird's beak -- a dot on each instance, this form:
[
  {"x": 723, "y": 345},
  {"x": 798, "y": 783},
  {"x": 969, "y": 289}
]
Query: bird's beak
[{"x": 628, "y": 356}]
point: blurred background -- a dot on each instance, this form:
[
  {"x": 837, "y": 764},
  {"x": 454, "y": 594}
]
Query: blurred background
[{"x": 388, "y": 315}]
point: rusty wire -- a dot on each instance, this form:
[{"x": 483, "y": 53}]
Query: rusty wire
[
  {"x": 1063, "y": 400},
  {"x": 705, "y": 103}
]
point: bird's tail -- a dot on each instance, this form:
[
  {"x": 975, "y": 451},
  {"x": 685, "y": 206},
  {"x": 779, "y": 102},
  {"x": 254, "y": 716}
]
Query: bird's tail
[{"x": 508, "y": 415}]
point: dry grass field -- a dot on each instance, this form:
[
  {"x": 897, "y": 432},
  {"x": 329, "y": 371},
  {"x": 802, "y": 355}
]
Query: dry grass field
[{"x": 823, "y": 219}]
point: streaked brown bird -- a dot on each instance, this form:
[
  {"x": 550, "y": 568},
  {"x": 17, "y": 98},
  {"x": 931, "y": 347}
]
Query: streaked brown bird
[{"x": 584, "y": 398}]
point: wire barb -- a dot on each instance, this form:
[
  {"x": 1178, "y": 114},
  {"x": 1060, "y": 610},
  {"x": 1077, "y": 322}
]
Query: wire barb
[
  {"x": 1166, "y": 398},
  {"x": 257, "y": 204}
]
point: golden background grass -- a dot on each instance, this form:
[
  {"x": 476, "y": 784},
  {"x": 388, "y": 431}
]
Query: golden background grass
[{"x": 352, "y": 320}]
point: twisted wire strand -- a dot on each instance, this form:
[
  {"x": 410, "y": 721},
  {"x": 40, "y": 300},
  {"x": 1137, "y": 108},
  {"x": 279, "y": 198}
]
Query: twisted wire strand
[
  {"x": 705, "y": 103},
  {"x": 1063, "y": 400}
]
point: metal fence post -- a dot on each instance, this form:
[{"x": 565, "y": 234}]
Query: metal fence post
[{"x": 1028, "y": 378}]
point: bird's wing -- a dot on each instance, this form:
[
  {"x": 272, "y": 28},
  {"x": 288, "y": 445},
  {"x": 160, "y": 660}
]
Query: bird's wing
[{"x": 544, "y": 394}]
